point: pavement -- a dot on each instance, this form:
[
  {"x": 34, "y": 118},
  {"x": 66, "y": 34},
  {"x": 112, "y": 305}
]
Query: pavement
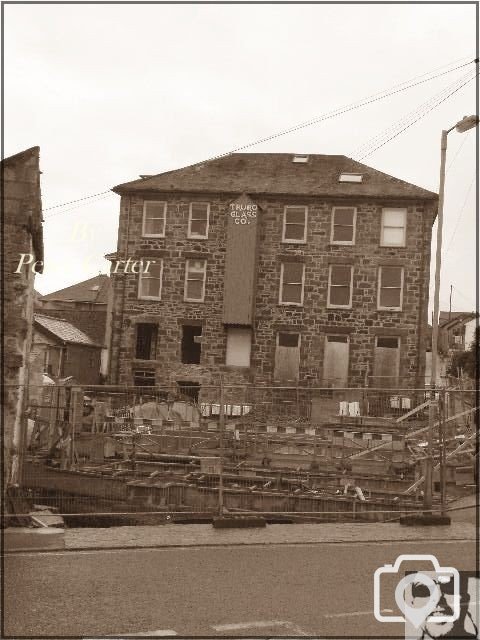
[
  {"x": 246, "y": 588},
  {"x": 200, "y": 535}
]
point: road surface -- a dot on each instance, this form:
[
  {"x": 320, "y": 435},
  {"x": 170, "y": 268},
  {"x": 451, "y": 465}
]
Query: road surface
[{"x": 262, "y": 590}]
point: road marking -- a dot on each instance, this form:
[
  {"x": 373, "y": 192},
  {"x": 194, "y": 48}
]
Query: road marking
[
  {"x": 262, "y": 624},
  {"x": 150, "y": 634},
  {"x": 348, "y": 614},
  {"x": 159, "y": 632},
  {"x": 352, "y": 614}
]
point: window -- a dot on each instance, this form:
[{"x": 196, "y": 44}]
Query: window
[
  {"x": 239, "y": 345},
  {"x": 390, "y": 288},
  {"x": 300, "y": 158},
  {"x": 292, "y": 278},
  {"x": 386, "y": 361},
  {"x": 144, "y": 378},
  {"x": 340, "y": 281},
  {"x": 191, "y": 344},
  {"x": 154, "y": 217},
  {"x": 150, "y": 283},
  {"x": 195, "y": 272},
  {"x": 198, "y": 220},
  {"x": 393, "y": 227},
  {"x": 295, "y": 225},
  {"x": 287, "y": 357},
  {"x": 189, "y": 389},
  {"x": 335, "y": 361},
  {"x": 343, "y": 225},
  {"x": 350, "y": 177},
  {"x": 146, "y": 345}
]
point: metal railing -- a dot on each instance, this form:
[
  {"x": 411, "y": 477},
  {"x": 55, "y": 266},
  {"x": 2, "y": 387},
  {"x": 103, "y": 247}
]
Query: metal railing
[{"x": 152, "y": 452}]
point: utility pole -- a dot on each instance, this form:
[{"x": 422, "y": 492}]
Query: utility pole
[
  {"x": 467, "y": 123},
  {"x": 428, "y": 488},
  {"x": 221, "y": 426}
]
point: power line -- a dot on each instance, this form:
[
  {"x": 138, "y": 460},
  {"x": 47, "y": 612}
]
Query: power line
[
  {"x": 340, "y": 111},
  {"x": 467, "y": 298},
  {"x": 83, "y": 204},
  {"x": 398, "y": 88},
  {"x": 437, "y": 104},
  {"x": 367, "y": 146},
  {"x": 457, "y": 153},
  {"x": 459, "y": 216},
  {"x": 64, "y": 204}
]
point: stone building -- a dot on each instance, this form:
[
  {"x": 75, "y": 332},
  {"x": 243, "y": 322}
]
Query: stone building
[
  {"x": 22, "y": 234},
  {"x": 274, "y": 269},
  {"x": 456, "y": 331},
  {"x": 86, "y": 305}
]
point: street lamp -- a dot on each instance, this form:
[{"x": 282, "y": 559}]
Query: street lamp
[{"x": 467, "y": 123}]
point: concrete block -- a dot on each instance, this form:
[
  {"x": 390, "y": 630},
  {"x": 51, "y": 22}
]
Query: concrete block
[{"x": 25, "y": 539}]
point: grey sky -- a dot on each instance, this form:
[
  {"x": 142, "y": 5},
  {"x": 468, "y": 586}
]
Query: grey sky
[{"x": 112, "y": 91}]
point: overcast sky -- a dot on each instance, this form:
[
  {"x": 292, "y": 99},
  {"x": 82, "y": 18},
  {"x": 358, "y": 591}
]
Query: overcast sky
[{"x": 109, "y": 92}]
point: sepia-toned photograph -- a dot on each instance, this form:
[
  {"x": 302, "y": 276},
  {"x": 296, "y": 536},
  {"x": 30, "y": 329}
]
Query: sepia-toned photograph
[{"x": 240, "y": 318}]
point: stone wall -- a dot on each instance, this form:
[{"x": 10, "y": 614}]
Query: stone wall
[
  {"x": 313, "y": 320},
  {"x": 22, "y": 211}
]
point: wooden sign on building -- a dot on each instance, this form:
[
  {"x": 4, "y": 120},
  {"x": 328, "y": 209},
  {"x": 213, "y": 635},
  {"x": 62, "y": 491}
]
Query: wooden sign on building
[{"x": 240, "y": 262}]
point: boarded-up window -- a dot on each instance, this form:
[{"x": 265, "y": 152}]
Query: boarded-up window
[
  {"x": 191, "y": 344},
  {"x": 195, "y": 272},
  {"x": 146, "y": 345},
  {"x": 394, "y": 222},
  {"x": 335, "y": 361},
  {"x": 295, "y": 224},
  {"x": 154, "y": 217},
  {"x": 340, "y": 286},
  {"x": 198, "y": 220},
  {"x": 343, "y": 225},
  {"x": 287, "y": 357},
  {"x": 390, "y": 286},
  {"x": 291, "y": 283},
  {"x": 239, "y": 344},
  {"x": 150, "y": 283},
  {"x": 386, "y": 361}
]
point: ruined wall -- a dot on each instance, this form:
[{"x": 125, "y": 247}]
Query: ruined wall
[
  {"x": 313, "y": 320},
  {"x": 22, "y": 212}
]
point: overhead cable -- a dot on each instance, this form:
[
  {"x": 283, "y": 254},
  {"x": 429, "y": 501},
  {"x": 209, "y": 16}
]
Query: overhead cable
[{"x": 398, "y": 88}]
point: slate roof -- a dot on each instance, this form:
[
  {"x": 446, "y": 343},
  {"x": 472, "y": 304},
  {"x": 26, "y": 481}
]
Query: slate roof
[
  {"x": 276, "y": 173},
  {"x": 92, "y": 290},
  {"x": 63, "y": 330},
  {"x": 445, "y": 317}
]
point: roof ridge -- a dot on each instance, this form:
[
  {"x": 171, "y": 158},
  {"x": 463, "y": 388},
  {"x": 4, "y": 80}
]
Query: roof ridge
[{"x": 272, "y": 173}]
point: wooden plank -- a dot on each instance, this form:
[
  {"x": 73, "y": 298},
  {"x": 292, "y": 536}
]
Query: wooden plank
[
  {"x": 287, "y": 363},
  {"x": 335, "y": 368},
  {"x": 240, "y": 262},
  {"x": 413, "y": 411}
]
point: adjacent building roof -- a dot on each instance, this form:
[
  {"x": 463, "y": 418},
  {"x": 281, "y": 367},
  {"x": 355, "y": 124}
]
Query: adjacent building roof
[
  {"x": 92, "y": 290},
  {"x": 445, "y": 317},
  {"x": 277, "y": 173},
  {"x": 63, "y": 330}
]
